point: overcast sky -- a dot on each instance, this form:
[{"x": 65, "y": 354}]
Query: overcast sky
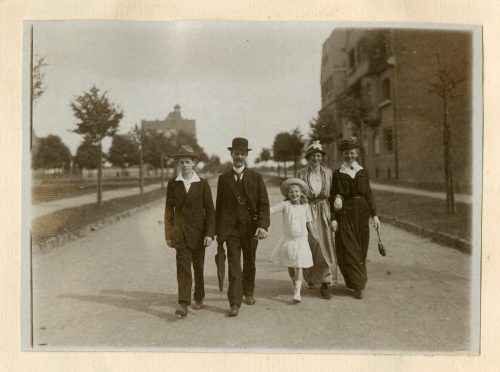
[{"x": 234, "y": 78}]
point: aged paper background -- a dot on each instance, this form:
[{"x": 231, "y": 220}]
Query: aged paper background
[{"x": 12, "y": 13}]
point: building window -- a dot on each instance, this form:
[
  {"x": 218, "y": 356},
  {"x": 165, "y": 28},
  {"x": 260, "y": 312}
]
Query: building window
[
  {"x": 388, "y": 146},
  {"x": 386, "y": 89},
  {"x": 376, "y": 173},
  {"x": 376, "y": 143},
  {"x": 388, "y": 172}
]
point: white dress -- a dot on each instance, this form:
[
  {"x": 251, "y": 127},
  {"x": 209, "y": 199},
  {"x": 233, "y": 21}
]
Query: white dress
[{"x": 293, "y": 248}]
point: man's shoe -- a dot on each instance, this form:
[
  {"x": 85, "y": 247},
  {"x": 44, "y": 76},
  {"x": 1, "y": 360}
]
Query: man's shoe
[
  {"x": 197, "y": 305},
  {"x": 325, "y": 291},
  {"x": 233, "y": 310},
  {"x": 249, "y": 300},
  {"x": 359, "y": 294},
  {"x": 181, "y": 311}
]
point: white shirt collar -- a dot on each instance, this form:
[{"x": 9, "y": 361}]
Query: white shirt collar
[
  {"x": 194, "y": 178},
  {"x": 239, "y": 170},
  {"x": 350, "y": 170}
]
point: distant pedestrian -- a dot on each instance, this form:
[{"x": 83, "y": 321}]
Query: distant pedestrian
[
  {"x": 189, "y": 227},
  {"x": 242, "y": 219},
  {"x": 319, "y": 180},
  {"x": 293, "y": 248},
  {"x": 353, "y": 204}
]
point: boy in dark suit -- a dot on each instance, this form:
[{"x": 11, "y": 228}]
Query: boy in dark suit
[
  {"x": 189, "y": 227},
  {"x": 242, "y": 218}
]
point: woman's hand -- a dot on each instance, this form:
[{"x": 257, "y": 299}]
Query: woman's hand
[
  {"x": 315, "y": 236},
  {"x": 376, "y": 222},
  {"x": 334, "y": 226},
  {"x": 337, "y": 204},
  {"x": 208, "y": 241}
]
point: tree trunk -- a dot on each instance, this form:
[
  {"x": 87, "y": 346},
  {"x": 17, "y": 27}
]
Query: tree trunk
[
  {"x": 450, "y": 193},
  {"x": 141, "y": 175},
  {"x": 162, "y": 166},
  {"x": 295, "y": 166},
  {"x": 99, "y": 176},
  {"x": 284, "y": 166},
  {"x": 278, "y": 168}
]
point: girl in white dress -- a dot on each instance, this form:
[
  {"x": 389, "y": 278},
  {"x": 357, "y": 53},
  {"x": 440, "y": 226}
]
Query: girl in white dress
[{"x": 293, "y": 248}]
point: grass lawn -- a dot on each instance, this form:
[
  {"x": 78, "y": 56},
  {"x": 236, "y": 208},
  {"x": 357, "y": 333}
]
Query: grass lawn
[
  {"x": 54, "y": 189},
  {"x": 74, "y": 219},
  {"x": 426, "y": 212}
]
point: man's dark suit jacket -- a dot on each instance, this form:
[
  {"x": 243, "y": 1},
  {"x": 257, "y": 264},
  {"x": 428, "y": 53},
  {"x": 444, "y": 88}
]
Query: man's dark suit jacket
[
  {"x": 190, "y": 215},
  {"x": 227, "y": 202}
]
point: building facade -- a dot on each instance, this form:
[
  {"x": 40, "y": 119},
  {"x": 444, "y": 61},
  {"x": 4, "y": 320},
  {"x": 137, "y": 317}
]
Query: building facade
[
  {"x": 376, "y": 85},
  {"x": 174, "y": 122}
]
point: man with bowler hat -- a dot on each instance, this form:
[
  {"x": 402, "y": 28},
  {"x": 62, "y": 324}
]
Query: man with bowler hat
[
  {"x": 242, "y": 218},
  {"x": 189, "y": 227}
]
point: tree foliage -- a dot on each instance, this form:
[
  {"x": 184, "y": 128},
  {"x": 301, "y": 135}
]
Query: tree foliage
[
  {"x": 38, "y": 75},
  {"x": 123, "y": 152},
  {"x": 323, "y": 127},
  {"x": 288, "y": 146},
  {"x": 51, "y": 153},
  {"x": 97, "y": 116},
  {"x": 87, "y": 155}
]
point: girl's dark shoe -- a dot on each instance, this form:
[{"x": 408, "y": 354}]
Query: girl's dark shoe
[{"x": 310, "y": 285}]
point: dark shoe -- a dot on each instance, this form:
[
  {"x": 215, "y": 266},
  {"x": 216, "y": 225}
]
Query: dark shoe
[
  {"x": 233, "y": 310},
  {"x": 249, "y": 300},
  {"x": 325, "y": 292},
  {"x": 197, "y": 305},
  {"x": 359, "y": 294},
  {"x": 295, "y": 302},
  {"x": 310, "y": 285},
  {"x": 182, "y": 311}
]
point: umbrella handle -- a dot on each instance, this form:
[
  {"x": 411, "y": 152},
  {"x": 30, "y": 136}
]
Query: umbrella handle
[{"x": 378, "y": 233}]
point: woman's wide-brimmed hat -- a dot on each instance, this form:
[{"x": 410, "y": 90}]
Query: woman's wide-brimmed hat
[
  {"x": 348, "y": 144},
  {"x": 239, "y": 144},
  {"x": 185, "y": 151},
  {"x": 293, "y": 181},
  {"x": 314, "y": 147}
]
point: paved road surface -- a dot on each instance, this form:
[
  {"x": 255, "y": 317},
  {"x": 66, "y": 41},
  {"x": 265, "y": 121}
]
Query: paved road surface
[{"x": 116, "y": 288}]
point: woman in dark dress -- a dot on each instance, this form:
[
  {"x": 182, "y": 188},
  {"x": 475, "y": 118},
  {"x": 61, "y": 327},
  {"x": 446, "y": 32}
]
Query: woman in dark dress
[{"x": 353, "y": 205}]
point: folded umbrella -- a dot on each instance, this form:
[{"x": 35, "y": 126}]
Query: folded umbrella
[
  {"x": 381, "y": 247},
  {"x": 220, "y": 262}
]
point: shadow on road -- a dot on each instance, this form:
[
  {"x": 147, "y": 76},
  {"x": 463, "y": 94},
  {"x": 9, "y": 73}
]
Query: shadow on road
[{"x": 133, "y": 300}]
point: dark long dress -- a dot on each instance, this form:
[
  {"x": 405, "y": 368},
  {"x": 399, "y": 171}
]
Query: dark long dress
[{"x": 351, "y": 240}]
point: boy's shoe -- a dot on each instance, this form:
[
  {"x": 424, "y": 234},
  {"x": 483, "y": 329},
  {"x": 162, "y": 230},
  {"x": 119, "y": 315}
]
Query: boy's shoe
[
  {"x": 197, "y": 305},
  {"x": 181, "y": 311}
]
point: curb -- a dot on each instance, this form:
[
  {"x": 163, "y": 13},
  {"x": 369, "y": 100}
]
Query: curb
[
  {"x": 436, "y": 236},
  {"x": 60, "y": 239}
]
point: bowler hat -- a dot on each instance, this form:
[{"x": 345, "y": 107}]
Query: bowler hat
[
  {"x": 185, "y": 151},
  {"x": 239, "y": 144},
  {"x": 348, "y": 144},
  {"x": 314, "y": 147},
  {"x": 293, "y": 181}
]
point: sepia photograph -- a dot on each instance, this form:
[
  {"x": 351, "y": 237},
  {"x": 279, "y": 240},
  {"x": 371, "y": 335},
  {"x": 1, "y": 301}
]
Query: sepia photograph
[{"x": 228, "y": 186}]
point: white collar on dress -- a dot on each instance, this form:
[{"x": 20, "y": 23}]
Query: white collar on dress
[
  {"x": 194, "y": 178},
  {"x": 352, "y": 170}
]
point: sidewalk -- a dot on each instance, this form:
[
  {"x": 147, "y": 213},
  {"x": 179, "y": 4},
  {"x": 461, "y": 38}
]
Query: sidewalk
[
  {"x": 38, "y": 210},
  {"x": 461, "y": 198}
]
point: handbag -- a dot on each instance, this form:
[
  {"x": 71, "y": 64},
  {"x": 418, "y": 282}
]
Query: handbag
[{"x": 381, "y": 247}]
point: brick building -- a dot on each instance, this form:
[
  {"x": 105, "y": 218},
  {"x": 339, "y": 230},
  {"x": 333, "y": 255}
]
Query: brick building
[
  {"x": 173, "y": 122},
  {"x": 387, "y": 74}
]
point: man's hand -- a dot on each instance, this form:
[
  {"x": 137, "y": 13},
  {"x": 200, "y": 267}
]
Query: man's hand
[
  {"x": 208, "y": 241},
  {"x": 334, "y": 226},
  {"x": 169, "y": 244},
  {"x": 260, "y": 233}
]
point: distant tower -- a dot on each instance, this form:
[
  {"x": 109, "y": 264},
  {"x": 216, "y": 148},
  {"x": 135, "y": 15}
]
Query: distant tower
[{"x": 173, "y": 122}]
